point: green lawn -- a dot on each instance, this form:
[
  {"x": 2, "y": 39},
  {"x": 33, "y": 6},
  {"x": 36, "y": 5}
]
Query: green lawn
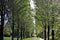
[{"x": 9, "y": 38}]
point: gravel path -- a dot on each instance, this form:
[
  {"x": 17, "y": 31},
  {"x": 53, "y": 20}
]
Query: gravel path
[
  {"x": 34, "y": 38},
  {"x": 41, "y": 39}
]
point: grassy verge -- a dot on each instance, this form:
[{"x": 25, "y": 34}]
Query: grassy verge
[{"x": 9, "y": 38}]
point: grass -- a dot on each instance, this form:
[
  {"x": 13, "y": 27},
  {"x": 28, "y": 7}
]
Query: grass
[
  {"x": 9, "y": 38},
  {"x": 27, "y": 39}
]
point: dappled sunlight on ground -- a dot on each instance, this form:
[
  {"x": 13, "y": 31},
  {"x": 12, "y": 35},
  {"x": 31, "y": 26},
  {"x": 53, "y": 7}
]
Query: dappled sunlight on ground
[
  {"x": 41, "y": 39},
  {"x": 35, "y": 38}
]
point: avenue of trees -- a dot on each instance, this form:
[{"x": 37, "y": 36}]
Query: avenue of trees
[{"x": 47, "y": 16}]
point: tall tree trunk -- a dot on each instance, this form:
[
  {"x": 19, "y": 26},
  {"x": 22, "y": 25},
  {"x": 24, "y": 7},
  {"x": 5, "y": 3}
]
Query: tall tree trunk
[
  {"x": 2, "y": 18},
  {"x": 48, "y": 31},
  {"x": 18, "y": 29},
  {"x": 52, "y": 34},
  {"x": 13, "y": 30},
  {"x": 12, "y": 6},
  {"x": 21, "y": 33},
  {"x": 45, "y": 32},
  {"x": 53, "y": 28}
]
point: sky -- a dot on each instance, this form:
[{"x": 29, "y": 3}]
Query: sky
[
  {"x": 5, "y": 19},
  {"x": 32, "y": 4}
]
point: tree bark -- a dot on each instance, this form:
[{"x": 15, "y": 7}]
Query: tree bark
[{"x": 2, "y": 18}]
